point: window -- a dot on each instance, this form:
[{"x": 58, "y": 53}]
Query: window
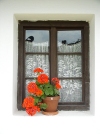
[{"x": 61, "y": 48}]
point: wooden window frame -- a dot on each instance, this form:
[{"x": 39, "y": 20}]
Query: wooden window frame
[{"x": 84, "y": 26}]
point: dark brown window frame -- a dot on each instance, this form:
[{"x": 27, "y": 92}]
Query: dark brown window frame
[{"x": 84, "y": 26}]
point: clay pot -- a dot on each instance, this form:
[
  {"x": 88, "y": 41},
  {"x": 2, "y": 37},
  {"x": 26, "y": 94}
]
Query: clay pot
[{"x": 52, "y": 103}]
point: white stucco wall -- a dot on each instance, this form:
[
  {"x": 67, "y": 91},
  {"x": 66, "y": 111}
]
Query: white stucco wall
[{"x": 14, "y": 122}]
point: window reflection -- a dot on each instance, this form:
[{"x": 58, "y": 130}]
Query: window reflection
[
  {"x": 39, "y": 35},
  {"x": 37, "y": 40},
  {"x": 69, "y": 41}
]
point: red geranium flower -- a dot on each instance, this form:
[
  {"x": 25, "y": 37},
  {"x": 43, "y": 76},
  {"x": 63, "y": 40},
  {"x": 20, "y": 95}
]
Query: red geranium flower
[
  {"x": 38, "y": 70},
  {"x": 39, "y": 92},
  {"x": 32, "y": 110},
  {"x": 58, "y": 86},
  {"x": 55, "y": 80},
  {"x": 42, "y": 79},
  {"x": 28, "y": 102},
  {"x": 32, "y": 87}
]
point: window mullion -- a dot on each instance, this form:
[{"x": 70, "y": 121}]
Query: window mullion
[{"x": 53, "y": 53}]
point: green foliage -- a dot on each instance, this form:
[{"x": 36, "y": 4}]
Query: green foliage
[
  {"x": 37, "y": 99},
  {"x": 56, "y": 92},
  {"x": 43, "y": 96},
  {"x": 48, "y": 90},
  {"x": 43, "y": 106}
]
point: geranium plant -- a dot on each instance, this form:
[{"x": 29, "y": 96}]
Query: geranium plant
[{"x": 39, "y": 90}]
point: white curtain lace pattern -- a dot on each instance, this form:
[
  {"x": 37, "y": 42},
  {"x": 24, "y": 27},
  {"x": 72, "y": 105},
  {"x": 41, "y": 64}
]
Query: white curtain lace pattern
[
  {"x": 68, "y": 66},
  {"x": 71, "y": 91},
  {"x": 36, "y": 47},
  {"x": 34, "y": 61}
]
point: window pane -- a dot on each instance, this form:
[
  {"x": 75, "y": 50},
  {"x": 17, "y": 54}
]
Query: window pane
[
  {"x": 69, "y": 66},
  {"x": 37, "y": 40},
  {"x": 69, "y": 41},
  {"x": 34, "y": 61},
  {"x": 71, "y": 91}
]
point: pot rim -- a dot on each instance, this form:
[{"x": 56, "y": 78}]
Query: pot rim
[{"x": 52, "y": 98}]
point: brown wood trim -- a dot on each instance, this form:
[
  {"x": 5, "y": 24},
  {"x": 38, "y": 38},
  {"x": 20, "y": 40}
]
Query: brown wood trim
[
  {"x": 73, "y": 107},
  {"x": 61, "y": 24},
  {"x": 53, "y": 56},
  {"x": 86, "y": 76},
  {"x": 20, "y": 84}
]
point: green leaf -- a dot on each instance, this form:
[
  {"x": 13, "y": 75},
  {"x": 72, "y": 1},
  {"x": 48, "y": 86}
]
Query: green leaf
[
  {"x": 49, "y": 86},
  {"x": 37, "y": 99},
  {"x": 43, "y": 106},
  {"x": 41, "y": 86},
  {"x": 47, "y": 92},
  {"x": 43, "y": 96},
  {"x": 50, "y": 91},
  {"x": 56, "y": 91}
]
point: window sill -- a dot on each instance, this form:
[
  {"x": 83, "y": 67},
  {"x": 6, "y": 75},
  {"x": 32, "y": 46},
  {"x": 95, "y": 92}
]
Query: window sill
[{"x": 60, "y": 113}]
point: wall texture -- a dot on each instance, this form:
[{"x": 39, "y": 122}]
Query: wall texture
[{"x": 12, "y": 121}]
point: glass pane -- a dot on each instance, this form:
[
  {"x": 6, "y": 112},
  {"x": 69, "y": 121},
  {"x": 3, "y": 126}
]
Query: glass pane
[
  {"x": 34, "y": 61},
  {"x": 37, "y": 40},
  {"x": 69, "y": 41},
  {"x": 69, "y": 66},
  {"x": 71, "y": 91}
]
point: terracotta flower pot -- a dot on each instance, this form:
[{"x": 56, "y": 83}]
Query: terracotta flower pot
[{"x": 52, "y": 103}]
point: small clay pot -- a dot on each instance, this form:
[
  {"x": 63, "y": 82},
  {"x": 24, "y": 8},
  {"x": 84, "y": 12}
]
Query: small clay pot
[{"x": 52, "y": 103}]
